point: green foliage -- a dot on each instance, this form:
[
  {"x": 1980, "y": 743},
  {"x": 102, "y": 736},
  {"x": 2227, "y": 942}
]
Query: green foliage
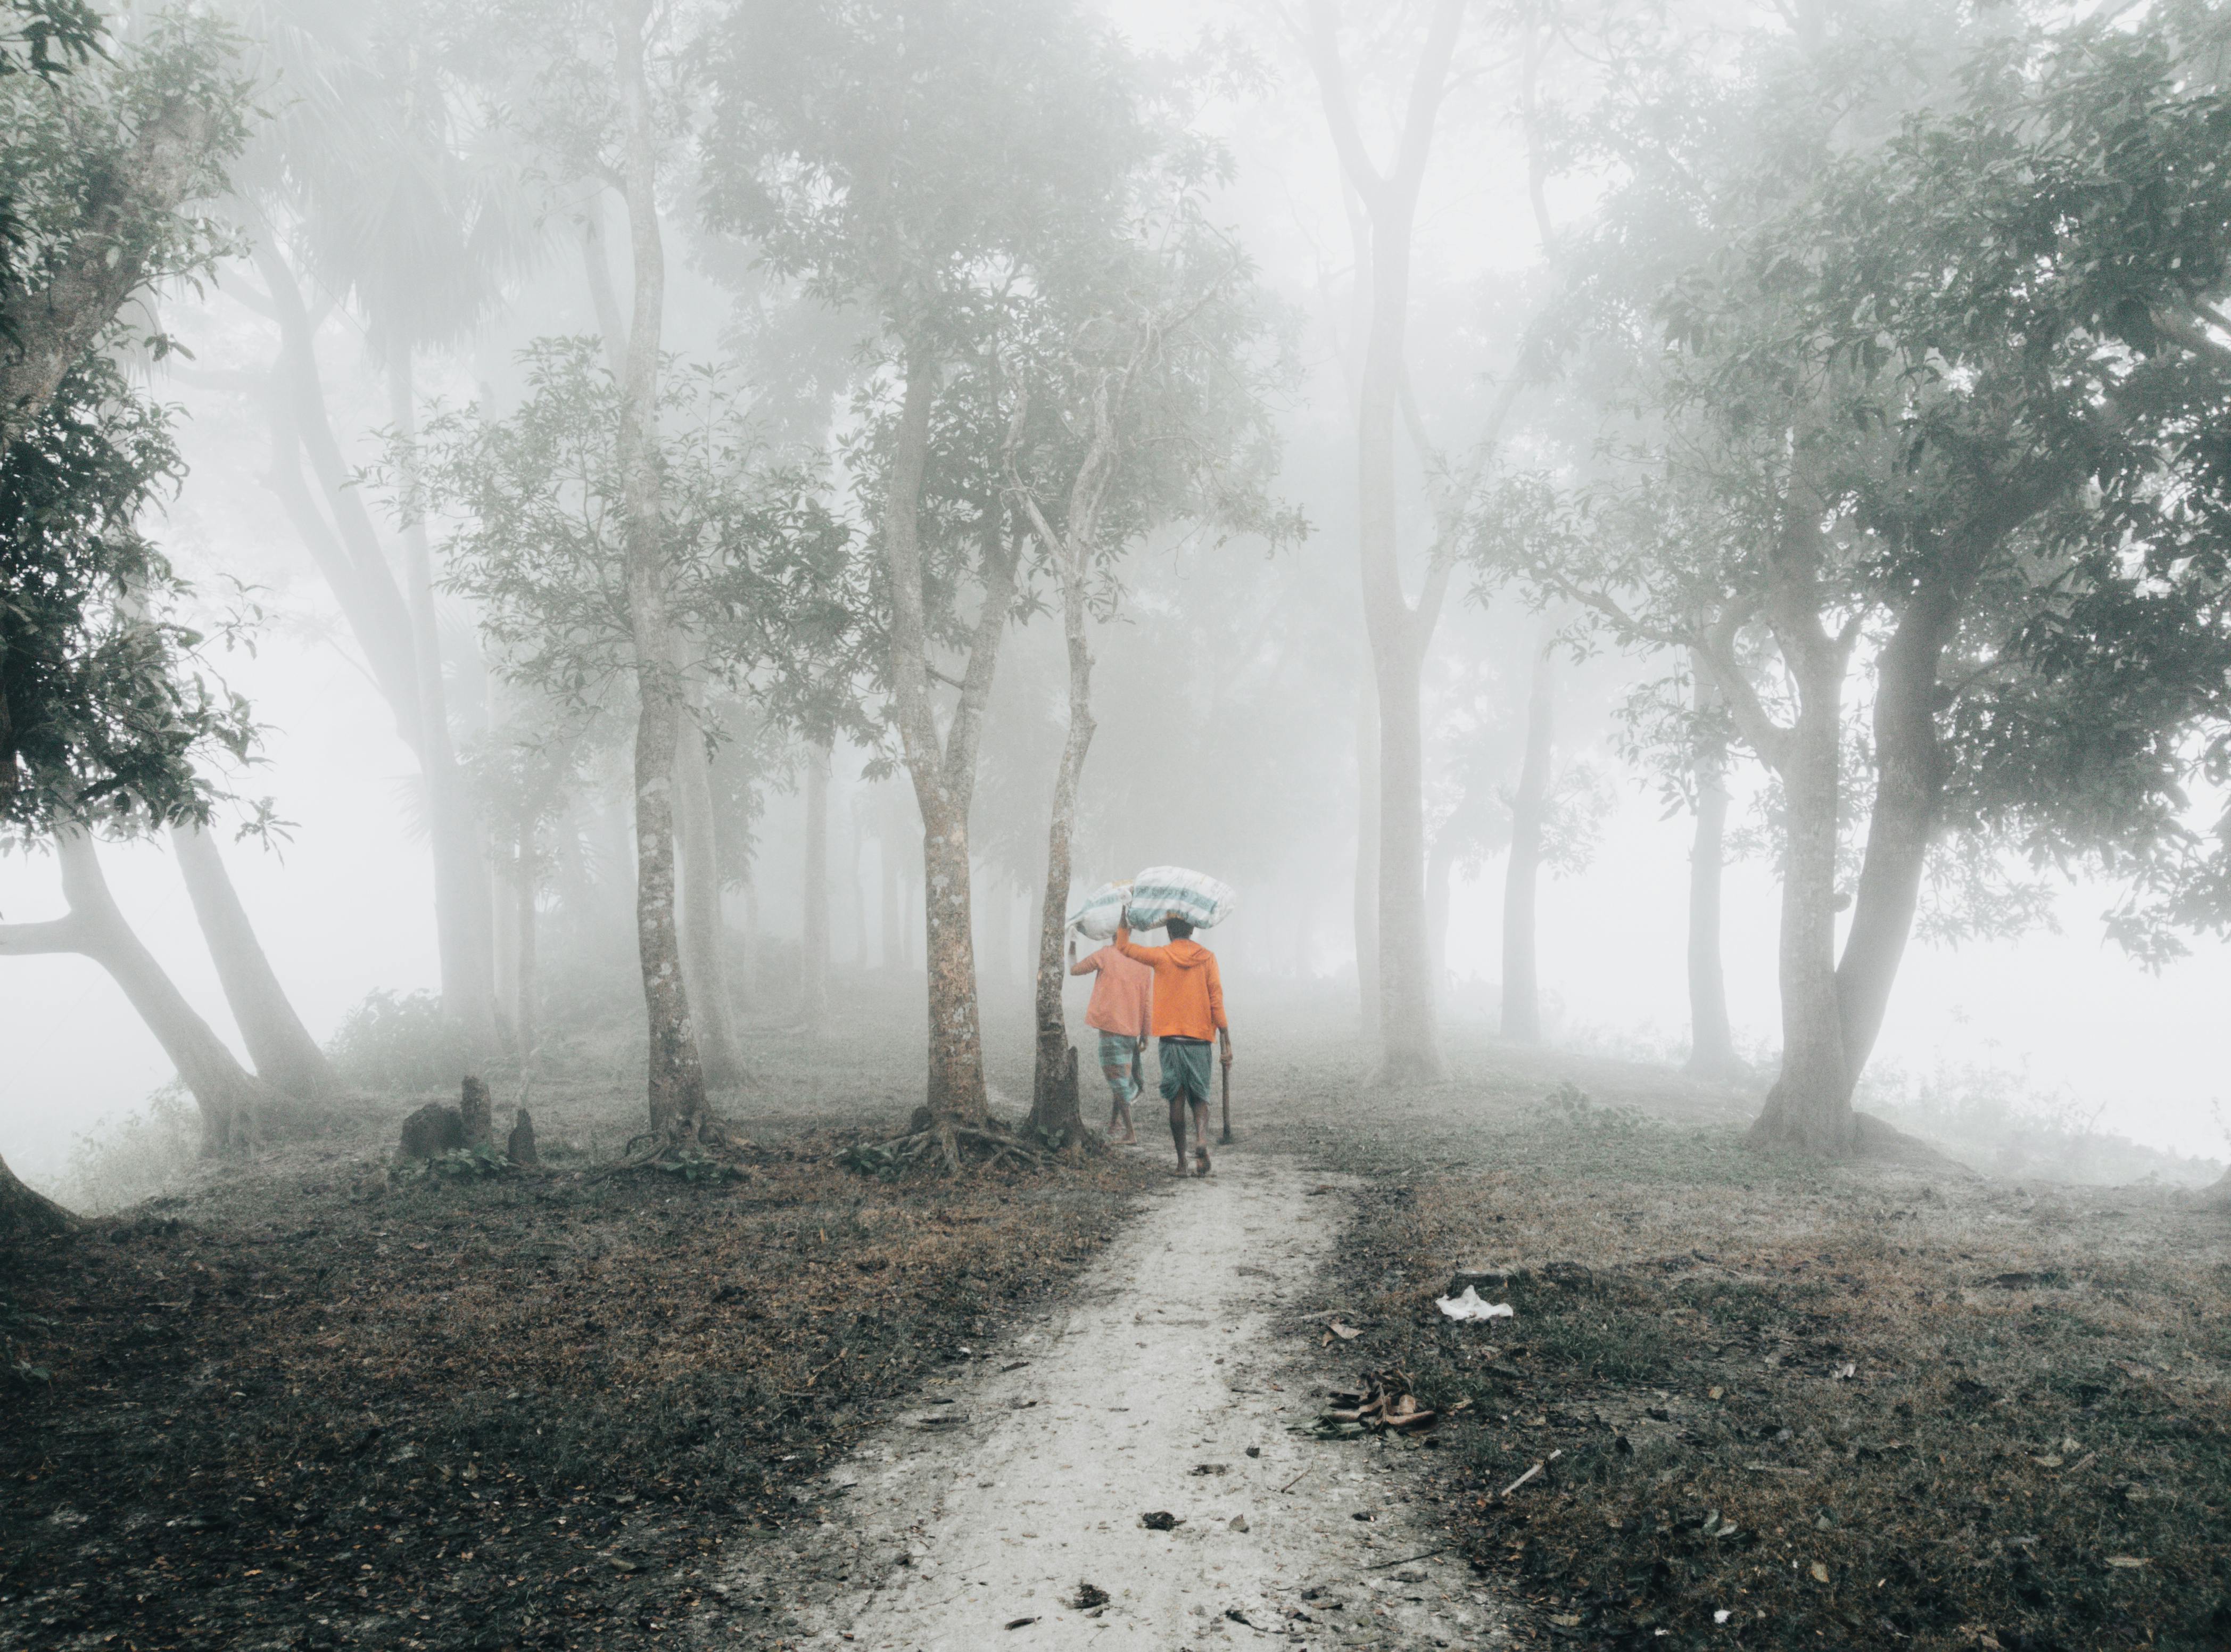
[
  {"x": 529, "y": 506},
  {"x": 399, "y": 1044},
  {"x": 481, "y": 1162},
  {"x": 74, "y": 155},
  {"x": 47, "y": 37},
  {"x": 698, "y": 1169},
  {"x": 102, "y": 712},
  {"x": 1572, "y": 1106},
  {"x": 1902, "y": 349}
]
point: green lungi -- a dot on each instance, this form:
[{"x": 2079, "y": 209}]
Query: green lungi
[{"x": 1185, "y": 1068}]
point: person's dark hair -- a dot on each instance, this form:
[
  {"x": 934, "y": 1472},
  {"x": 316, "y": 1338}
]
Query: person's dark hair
[{"x": 1179, "y": 929}]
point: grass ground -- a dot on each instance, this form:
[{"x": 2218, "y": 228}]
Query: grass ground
[
  {"x": 1791, "y": 1406},
  {"x": 1842, "y": 1408},
  {"x": 294, "y": 1406}
]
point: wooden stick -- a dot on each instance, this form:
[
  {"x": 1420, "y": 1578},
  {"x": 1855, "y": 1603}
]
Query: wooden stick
[
  {"x": 1530, "y": 1472},
  {"x": 1227, "y": 1105},
  {"x": 1296, "y": 1481},
  {"x": 1428, "y": 1555}
]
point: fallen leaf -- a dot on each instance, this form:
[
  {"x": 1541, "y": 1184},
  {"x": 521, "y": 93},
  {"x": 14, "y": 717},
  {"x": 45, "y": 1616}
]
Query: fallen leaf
[
  {"x": 2128, "y": 1562},
  {"x": 2047, "y": 1461},
  {"x": 1714, "y": 1393},
  {"x": 1018, "y": 1622},
  {"x": 1820, "y": 1573},
  {"x": 1346, "y": 1333}
]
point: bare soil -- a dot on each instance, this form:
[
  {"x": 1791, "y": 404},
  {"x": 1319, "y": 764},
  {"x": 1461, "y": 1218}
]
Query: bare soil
[{"x": 1131, "y": 1468}]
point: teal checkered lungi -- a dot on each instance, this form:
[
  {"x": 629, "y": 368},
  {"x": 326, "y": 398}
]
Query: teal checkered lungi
[
  {"x": 1119, "y": 1065},
  {"x": 1185, "y": 1069}
]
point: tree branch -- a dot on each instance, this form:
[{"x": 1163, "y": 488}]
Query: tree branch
[
  {"x": 103, "y": 263},
  {"x": 1715, "y": 647},
  {"x": 30, "y": 940}
]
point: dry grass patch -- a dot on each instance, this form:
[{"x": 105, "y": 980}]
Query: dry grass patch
[
  {"x": 1797, "y": 1408},
  {"x": 477, "y": 1413}
]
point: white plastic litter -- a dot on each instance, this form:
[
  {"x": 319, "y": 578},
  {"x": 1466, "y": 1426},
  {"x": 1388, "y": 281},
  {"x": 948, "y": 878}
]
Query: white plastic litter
[
  {"x": 1472, "y": 1306},
  {"x": 1202, "y": 901}
]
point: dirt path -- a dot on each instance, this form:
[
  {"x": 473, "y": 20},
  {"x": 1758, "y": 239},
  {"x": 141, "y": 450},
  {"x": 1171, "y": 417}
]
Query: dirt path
[{"x": 939, "y": 1534}]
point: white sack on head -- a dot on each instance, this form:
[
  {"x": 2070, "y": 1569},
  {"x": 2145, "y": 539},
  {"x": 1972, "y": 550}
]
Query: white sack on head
[
  {"x": 1202, "y": 901},
  {"x": 1100, "y": 913}
]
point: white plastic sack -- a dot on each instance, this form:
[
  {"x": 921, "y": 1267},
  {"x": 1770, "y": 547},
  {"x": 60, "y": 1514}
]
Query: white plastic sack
[
  {"x": 1472, "y": 1306},
  {"x": 1101, "y": 913},
  {"x": 1202, "y": 901}
]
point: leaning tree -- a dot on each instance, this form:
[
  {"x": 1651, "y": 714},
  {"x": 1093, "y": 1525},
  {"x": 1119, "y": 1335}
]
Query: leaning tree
[
  {"x": 106, "y": 148},
  {"x": 1897, "y": 425}
]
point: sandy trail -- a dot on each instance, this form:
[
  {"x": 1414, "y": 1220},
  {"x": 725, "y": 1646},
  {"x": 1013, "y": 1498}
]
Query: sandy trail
[{"x": 936, "y": 1534}]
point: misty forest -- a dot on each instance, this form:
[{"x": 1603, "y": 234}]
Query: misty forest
[{"x": 953, "y": 824}]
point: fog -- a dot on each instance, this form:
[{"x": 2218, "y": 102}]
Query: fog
[{"x": 1231, "y": 669}]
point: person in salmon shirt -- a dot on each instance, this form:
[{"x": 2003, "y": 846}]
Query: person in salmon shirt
[
  {"x": 1188, "y": 1011},
  {"x": 1123, "y": 1013}
]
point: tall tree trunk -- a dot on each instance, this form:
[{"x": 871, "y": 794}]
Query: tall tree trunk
[
  {"x": 704, "y": 942},
  {"x": 285, "y": 1055},
  {"x": 1399, "y": 633},
  {"x": 747, "y": 982},
  {"x": 392, "y": 627},
  {"x": 1367, "y": 856},
  {"x": 525, "y": 878},
  {"x": 228, "y": 1097},
  {"x": 1712, "y": 1047},
  {"x": 1529, "y": 804},
  {"x": 856, "y": 891},
  {"x": 1909, "y": 775},
  {"x": 676, "y": 1080},
  {"x": 1054, "y": 1101},
  {"x": 1440, "y": 867},
  {"x": 813, "y": 941},
  {"x": 463, "y": 901},
  {"x": 1809, "y": 1107},
  {"x": 943, "y": 769},
  {"x": 24, "y": 1210},
  {"x": 503, "y": 889},
  {"x": 894, "y": 908}
]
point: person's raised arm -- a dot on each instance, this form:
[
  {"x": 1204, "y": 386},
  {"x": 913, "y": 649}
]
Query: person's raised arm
[
  {"x": 1087, "y": 967},
  {"x": 1144, "y": 955}
]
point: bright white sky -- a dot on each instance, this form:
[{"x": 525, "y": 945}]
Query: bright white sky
[{"x": 346, "y": 909}]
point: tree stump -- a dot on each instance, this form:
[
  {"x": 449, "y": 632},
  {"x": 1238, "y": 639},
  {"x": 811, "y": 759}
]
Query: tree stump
[
  {"x": 521, "y": 1148},
  {"x": 435, "y": 1129},
  {"x": 480, "y": 1127}
]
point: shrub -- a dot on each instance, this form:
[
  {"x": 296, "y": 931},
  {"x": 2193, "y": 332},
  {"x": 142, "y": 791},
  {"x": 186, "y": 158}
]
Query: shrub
[
  {"x": 125, "y": 1160},
  {"x": 399, "y": 1044}
]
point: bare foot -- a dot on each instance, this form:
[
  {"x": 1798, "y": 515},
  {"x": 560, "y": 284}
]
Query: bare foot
[{"x": 1200, "y": 1161}]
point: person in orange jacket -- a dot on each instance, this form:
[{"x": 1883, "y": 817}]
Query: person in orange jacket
[{"x": 1188, "y": 1011}]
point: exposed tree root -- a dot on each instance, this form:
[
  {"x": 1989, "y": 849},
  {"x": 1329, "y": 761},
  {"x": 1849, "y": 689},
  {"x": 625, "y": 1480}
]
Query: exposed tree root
[
  {"x": 1869, "y": 1140},
  {"x": 947, "y": 1142}
]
